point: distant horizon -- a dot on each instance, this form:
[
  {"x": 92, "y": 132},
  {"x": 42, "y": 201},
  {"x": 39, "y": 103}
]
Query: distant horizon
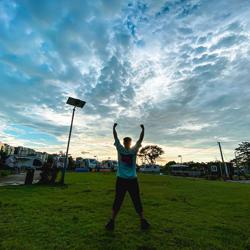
[
  {"x": 179, "y": 67},
  {"x": 162, "y": 160}
]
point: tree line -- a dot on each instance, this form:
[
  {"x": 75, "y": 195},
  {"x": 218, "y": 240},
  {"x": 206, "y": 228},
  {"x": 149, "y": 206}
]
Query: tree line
[{"x": 151, "y": 153}]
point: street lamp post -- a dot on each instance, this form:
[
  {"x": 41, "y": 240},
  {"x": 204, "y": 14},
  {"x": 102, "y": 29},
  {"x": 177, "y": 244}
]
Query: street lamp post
[
  {"x": 76, "y": 103},
  {"x": 180, "y": 156}
]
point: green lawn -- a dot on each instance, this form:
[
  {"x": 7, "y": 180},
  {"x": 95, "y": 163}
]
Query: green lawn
[{"x": 184, "y": 213}]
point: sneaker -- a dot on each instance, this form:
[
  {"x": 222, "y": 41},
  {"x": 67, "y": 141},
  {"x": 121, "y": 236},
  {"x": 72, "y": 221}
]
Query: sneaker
[
  {"x": 144, "y": 224},
  {"x": 110, "y": 226}
]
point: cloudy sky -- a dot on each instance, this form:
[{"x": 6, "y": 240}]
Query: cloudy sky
[{"x": 180, "y": 67}]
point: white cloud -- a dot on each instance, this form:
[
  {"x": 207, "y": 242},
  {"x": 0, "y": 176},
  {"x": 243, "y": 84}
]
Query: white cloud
[
  {"x": 190, "y": 126},
  {"x": 180, "y": 67}
]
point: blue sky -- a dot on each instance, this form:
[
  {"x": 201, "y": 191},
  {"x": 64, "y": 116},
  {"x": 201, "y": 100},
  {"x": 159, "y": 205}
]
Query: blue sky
[{"x": 180, "y": 67}]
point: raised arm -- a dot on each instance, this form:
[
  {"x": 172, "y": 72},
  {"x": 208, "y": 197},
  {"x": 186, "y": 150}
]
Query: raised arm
[
  {"x": 142, "y": 133},
  {"x": 114, "y": 131}
]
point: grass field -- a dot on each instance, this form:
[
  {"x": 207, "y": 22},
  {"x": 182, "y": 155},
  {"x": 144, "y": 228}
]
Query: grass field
[{"x": 184, "y": 213}]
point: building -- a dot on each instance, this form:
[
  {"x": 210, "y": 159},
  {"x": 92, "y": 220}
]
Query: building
[
  {"x": 43, "y": 156},
  {"x": 23, "y": 151},
  {"x": 7, "y": 149}
]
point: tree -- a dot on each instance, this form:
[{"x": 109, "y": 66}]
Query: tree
[
  {"x": 243, "y": 153},
  {"x": 150, "y": 153},
  {"x": 170, "y": 163},
  {"x": 167, "y": 165},
  {"x": 196, "y": 165},
  {"x": 3, "y": 157}
]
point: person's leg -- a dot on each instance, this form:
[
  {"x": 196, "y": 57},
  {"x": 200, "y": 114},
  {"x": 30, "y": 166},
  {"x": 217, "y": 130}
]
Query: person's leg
[
  {"x": 134, "y": 192},
  {"x": 120, "y": 192}
]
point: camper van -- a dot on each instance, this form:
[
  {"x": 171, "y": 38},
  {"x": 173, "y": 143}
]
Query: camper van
[
  {"x": 23, "y": 162},
  {"x": 150, "y": 168},
  {"x": 87, "y": 163},
  {"x": 109, "y": 164}
]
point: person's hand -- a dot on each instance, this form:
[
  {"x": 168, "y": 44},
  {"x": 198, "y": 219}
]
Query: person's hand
[
  {"x": 142, "y": 126},
  {"x": 115, "y": 124}
]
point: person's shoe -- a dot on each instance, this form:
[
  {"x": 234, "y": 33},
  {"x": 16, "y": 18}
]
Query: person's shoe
[
  {"x": 110, "y": 226},
  {"x": 144, "y": 224}
]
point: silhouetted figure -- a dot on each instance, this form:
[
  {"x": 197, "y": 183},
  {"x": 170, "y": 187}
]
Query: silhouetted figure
[
  {"x": 46, "y": 172},
  {"x": 49, "y": 173},
  {"x": 127, "y": 178},
  {"x": 29, "y": 176},
  {"x": 54, "y": 173}
]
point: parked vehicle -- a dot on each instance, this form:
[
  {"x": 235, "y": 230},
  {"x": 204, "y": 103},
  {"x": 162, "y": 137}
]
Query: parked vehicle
[
  {"x": 11, "y": 161},
  {"x": 150, "y": 168},
  {"x": 218, "y": 171},
  {"x": 109, "y": 164},
  {"x": 87, "y": 163},
  {"x": 23, "y": 162},
  {"x": 240, "y": 171},
  {"x": 58, "y": 161},
  {"x": 185, "y": 170}
]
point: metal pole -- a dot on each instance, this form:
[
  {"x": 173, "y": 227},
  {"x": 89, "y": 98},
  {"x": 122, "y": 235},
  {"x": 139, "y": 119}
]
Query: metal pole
[
  {"x": 222, "y": 158},
  {"x": 237, "y": 165},
  {"x": 180, "y": 156},
  {"x": 67, "y": 151}
]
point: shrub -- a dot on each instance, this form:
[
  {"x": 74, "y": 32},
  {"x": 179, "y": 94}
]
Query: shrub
[{"x": 4, "y": 173}]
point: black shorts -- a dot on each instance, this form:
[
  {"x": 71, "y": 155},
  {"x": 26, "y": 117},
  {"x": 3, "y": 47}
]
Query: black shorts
[{"x": 130, "y": 185}]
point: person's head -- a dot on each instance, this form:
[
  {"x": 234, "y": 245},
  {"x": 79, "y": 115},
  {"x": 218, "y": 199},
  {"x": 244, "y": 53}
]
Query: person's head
[{"x": 127, "y": 142}]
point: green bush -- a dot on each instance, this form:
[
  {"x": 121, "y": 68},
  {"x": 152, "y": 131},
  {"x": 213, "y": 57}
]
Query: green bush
[{"x": 4, "y": 173}]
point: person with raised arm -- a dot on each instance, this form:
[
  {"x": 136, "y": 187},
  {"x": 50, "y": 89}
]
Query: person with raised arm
[{"x": 127, "y": 178}]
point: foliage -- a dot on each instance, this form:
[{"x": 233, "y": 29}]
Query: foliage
[
  {"x": 4, "y": 173},
  {"x": 167, "y": 165},
  {"x": 3, "y": 156},
  {"x": 243, "y": 153},
  {"x": 184, "y": 213},
  {"x": 196, "y": 165},
  {"x": 150, "y": 153},
  {"x": 170, "y": 163}
]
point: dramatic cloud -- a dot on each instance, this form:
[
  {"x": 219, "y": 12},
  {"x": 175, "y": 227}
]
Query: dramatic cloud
[{"x": 180, "y": 67}]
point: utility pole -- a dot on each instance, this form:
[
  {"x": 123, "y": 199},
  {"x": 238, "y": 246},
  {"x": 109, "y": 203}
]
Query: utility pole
[{"x": 222, "y": 159}]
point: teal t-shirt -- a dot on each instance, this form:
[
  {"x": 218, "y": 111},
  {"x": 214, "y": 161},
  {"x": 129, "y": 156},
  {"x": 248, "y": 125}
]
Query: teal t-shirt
[{"x": 126, "y": 160}]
